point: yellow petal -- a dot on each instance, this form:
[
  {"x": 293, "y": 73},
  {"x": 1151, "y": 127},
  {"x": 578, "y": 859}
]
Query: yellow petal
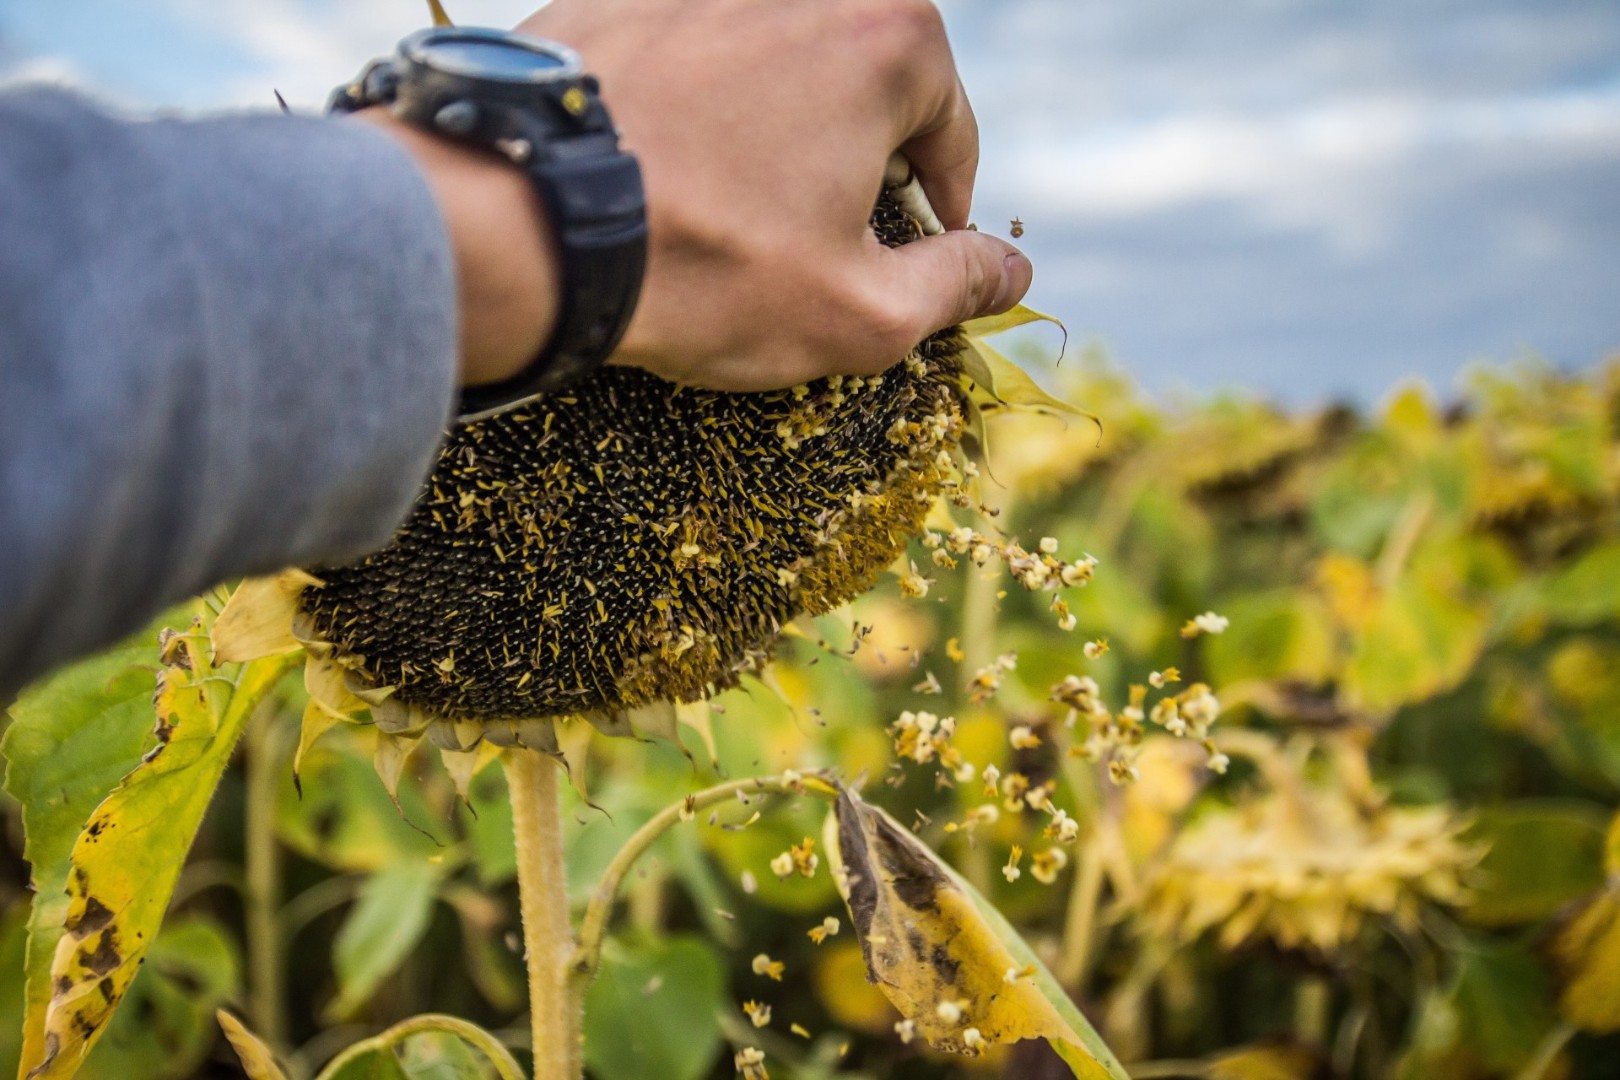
[
  {"x": 1017, "y": 316},
  {"x": 324, "y": 681},
  {"x": 317, "y": 722},
  {"x": 257, "y": 620},
  {"x": 389, "y": 760},
  {"x": 698, "y": 716}
]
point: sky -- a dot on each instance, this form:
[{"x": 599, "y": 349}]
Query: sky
[{"x": 1308, "y": 200}]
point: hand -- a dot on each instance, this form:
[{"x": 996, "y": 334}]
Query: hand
[{"x": 763, "y": 129}]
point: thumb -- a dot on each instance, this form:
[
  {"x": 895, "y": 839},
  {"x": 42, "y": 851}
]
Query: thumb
[{"x": 942, "y": 280}]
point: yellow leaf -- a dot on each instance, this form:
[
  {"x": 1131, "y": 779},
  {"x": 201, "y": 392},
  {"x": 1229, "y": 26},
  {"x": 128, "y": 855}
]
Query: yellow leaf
[
  {"x": 126, "y": 860},
  {"x": 1585, "y": 950},
  {"x": 440, "y": 18},
  {"x": 1611, "y": 848},
  {"x": 943, "y": 956},
  {"x": 257, "y": 1060}
]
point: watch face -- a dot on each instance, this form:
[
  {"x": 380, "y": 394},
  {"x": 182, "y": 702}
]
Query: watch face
[{"x": 491, "y": 54}]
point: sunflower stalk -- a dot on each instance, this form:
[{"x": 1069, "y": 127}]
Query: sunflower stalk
[
  {"x": 262, "y": 895},
  {"x": 555, "y": 1014}
]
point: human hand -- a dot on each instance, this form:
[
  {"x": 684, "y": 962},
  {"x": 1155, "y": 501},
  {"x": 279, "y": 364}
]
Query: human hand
[{"x": 763, "y": 130}]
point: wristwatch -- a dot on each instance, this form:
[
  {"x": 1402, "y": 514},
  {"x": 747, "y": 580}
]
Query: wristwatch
[{"x": 530, "y": 101}]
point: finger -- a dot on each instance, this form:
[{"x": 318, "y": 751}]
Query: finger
[
  {"x": 940, "y": 281},
  {"x": 944, "y": 151}
]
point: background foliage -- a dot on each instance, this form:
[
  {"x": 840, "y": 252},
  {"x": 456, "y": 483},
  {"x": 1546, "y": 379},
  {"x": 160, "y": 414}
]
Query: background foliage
[{"x": 1422, "y": 696}]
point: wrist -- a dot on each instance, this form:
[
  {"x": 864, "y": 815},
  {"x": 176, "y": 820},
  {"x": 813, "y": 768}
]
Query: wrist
[{"x": 507, "y": 268}]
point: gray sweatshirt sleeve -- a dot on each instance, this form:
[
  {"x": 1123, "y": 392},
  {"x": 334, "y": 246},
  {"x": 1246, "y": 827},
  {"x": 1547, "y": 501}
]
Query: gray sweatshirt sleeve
[{"x": 226, "y": 346}]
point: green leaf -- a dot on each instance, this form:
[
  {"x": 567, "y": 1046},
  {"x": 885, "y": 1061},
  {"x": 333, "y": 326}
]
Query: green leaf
[
  {"x": 1277, "y": 634},
  {"x": 385, "y": 924},
  {"x": 165, "y": 1028},
  {"x": 422, "y": 1048},
  {"x": 1542, "y": 854},
  {"x": 72, "y": 738},
  {"x": 1489, "y": 1022},
  {"x": 1418, "y": 641},
  {"x": 930, "y": 938},
  {"x": 652, "y": 1010},
  {"x": 1501, "y": 995},
  {"x": 1588, "y": 591},
  {"x": 13, "y": 942}
]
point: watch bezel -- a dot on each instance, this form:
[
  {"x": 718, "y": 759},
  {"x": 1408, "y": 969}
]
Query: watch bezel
[{"x": 417, "y": 48}]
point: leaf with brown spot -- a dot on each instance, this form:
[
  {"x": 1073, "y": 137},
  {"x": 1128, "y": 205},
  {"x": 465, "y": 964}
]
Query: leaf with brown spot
[
  {"x": 72, "y": 738},
  {"x": 126, "y": 860},
  {"x": 931, "y": 940}
]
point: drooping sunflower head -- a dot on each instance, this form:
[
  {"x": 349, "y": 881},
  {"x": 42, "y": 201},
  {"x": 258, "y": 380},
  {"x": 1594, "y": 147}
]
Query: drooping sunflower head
[{"x": 629, "y": 542}]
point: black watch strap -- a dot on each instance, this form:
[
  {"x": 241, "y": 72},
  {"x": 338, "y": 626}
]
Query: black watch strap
[{"x": 562, "y": 137}]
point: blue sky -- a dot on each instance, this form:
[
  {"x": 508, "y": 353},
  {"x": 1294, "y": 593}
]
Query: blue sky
[{"x": 1305, "y": 199}]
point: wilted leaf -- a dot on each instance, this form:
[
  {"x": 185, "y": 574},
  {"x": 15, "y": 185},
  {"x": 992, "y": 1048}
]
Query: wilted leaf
[
  {"x": 652, "y": 1010},
  {"x": 125, "y": 862},
  {"x": 72, "y": 738},
  {"x": 257, "y": 1060},
  {"x": 930, "y": 941},
  {"x": 390, "y": 917},
  {"x": 165, "y": 1027}
]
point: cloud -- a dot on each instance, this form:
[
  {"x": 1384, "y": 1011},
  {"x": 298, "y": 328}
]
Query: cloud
[
  {"x": 304, "y": 47},
  {"x": 1299, "y": 164},
  {"x": 17, "y": 70}
]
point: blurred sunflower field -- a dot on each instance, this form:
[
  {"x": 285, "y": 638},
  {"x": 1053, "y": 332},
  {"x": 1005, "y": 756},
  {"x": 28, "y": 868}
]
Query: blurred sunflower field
[{"x": 1316, "y": 777}]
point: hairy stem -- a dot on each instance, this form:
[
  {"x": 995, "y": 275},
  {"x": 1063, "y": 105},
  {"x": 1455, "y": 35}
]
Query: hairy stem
[
  {"x": 594, "y": 926},
  {"x": 548, "y": 937},
  {"x": 262, "y": 892}
]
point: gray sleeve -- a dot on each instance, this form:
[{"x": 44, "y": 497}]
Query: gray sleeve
[{"x": 226, "y": 346}]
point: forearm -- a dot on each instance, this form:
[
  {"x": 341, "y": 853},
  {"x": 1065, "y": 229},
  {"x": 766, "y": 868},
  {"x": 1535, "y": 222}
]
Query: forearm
[{"x": 225, "y": 347}]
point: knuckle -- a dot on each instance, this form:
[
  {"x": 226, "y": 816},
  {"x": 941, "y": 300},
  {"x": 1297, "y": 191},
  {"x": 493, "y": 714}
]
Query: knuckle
[{"x": 907, "y": 24}]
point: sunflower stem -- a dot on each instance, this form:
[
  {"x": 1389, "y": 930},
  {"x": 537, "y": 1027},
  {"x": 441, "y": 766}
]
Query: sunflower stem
[
  {"x": 262, "y": 892},
  {"x": 548, "y": 940}
]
